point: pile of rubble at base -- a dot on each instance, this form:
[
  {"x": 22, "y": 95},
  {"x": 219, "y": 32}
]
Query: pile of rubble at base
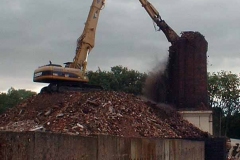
[{"x": 92, "y": 113}]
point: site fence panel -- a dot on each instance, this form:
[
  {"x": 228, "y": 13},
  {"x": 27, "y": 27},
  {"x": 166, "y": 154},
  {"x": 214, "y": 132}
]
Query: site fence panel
[{"x": 42, "y": 146}]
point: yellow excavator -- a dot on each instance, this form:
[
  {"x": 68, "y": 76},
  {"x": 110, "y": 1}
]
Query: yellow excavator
[{"x": 73, "y": 77}]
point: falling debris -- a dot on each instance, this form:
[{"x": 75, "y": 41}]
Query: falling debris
[{"x": 93, "y": 113}]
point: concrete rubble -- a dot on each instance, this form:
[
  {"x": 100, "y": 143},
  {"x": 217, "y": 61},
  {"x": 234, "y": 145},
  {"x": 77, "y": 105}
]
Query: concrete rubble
[{"x": 93, "y": 113}]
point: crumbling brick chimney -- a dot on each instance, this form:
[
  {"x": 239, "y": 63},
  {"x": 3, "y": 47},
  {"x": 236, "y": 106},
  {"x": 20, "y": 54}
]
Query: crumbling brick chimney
[{"x": 187, "y": 72}]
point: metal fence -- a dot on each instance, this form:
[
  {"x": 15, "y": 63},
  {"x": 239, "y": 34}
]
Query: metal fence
[{"x": 49, "y": 146}]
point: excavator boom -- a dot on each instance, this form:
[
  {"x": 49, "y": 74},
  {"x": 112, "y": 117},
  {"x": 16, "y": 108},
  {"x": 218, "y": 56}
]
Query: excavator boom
[
  {"x": 154, "y": 14},
  {"x": 86, "y": 41}
]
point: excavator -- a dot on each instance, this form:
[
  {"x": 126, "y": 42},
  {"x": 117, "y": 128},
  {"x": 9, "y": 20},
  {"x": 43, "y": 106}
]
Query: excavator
[{"x": 73, "y": 77}]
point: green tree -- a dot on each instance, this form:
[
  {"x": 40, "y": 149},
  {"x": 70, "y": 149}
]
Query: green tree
[
  {"x": 234, "y": 127},
  {"x": 3, "y": 104},
  {"x": 224, "y": 92},
  {"x": 119, "y": 79},
  {"x": 13, "y": 97},
  {"x": 217, "y": 121}
]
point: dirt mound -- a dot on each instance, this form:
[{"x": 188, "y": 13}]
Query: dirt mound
[{"x": 92, "y": 113}]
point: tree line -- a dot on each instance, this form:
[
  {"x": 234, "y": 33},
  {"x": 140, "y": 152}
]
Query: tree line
[
  {"x": 223, "y": 91},
  {"x": 13, "y": 97},
  {"x": 224, "y": 98}
]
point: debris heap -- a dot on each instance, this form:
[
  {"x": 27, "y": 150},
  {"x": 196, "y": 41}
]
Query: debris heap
[{"x": 92, "y": 113}]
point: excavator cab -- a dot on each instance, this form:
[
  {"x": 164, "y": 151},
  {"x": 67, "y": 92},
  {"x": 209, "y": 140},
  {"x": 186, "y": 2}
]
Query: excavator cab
[{"x": 67, "y": 64}]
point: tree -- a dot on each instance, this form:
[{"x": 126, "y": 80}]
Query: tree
[
  {"x": 13, "y": 97},
  {"x": 3, "y": 99},
  {"x": 119, "y": 79},
  {"x": 234, "y": 127},
  {"x": 224, "y": 92},
  {"x": 217, "y": 121}
]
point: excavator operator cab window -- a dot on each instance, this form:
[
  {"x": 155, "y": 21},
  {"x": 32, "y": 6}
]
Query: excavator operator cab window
[{"x": 67, "y": 64}]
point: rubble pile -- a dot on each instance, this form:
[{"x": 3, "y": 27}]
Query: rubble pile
[{"x": 92, "y": 113}]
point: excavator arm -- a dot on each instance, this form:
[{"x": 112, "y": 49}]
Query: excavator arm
[
  {"x": 154, "y": 14},
  {"x": 86, "y": 41}
]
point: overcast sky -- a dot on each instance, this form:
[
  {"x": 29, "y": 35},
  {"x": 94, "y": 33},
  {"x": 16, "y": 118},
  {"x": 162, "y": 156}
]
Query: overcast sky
[{"x": 34, "y": 32}]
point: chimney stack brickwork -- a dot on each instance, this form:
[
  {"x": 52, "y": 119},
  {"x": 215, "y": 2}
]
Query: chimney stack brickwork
[{"x": 187, "y": 72}]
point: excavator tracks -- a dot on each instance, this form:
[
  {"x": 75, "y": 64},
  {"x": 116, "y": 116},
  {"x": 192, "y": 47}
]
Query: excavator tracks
[{"x": 65, "y": 87}]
